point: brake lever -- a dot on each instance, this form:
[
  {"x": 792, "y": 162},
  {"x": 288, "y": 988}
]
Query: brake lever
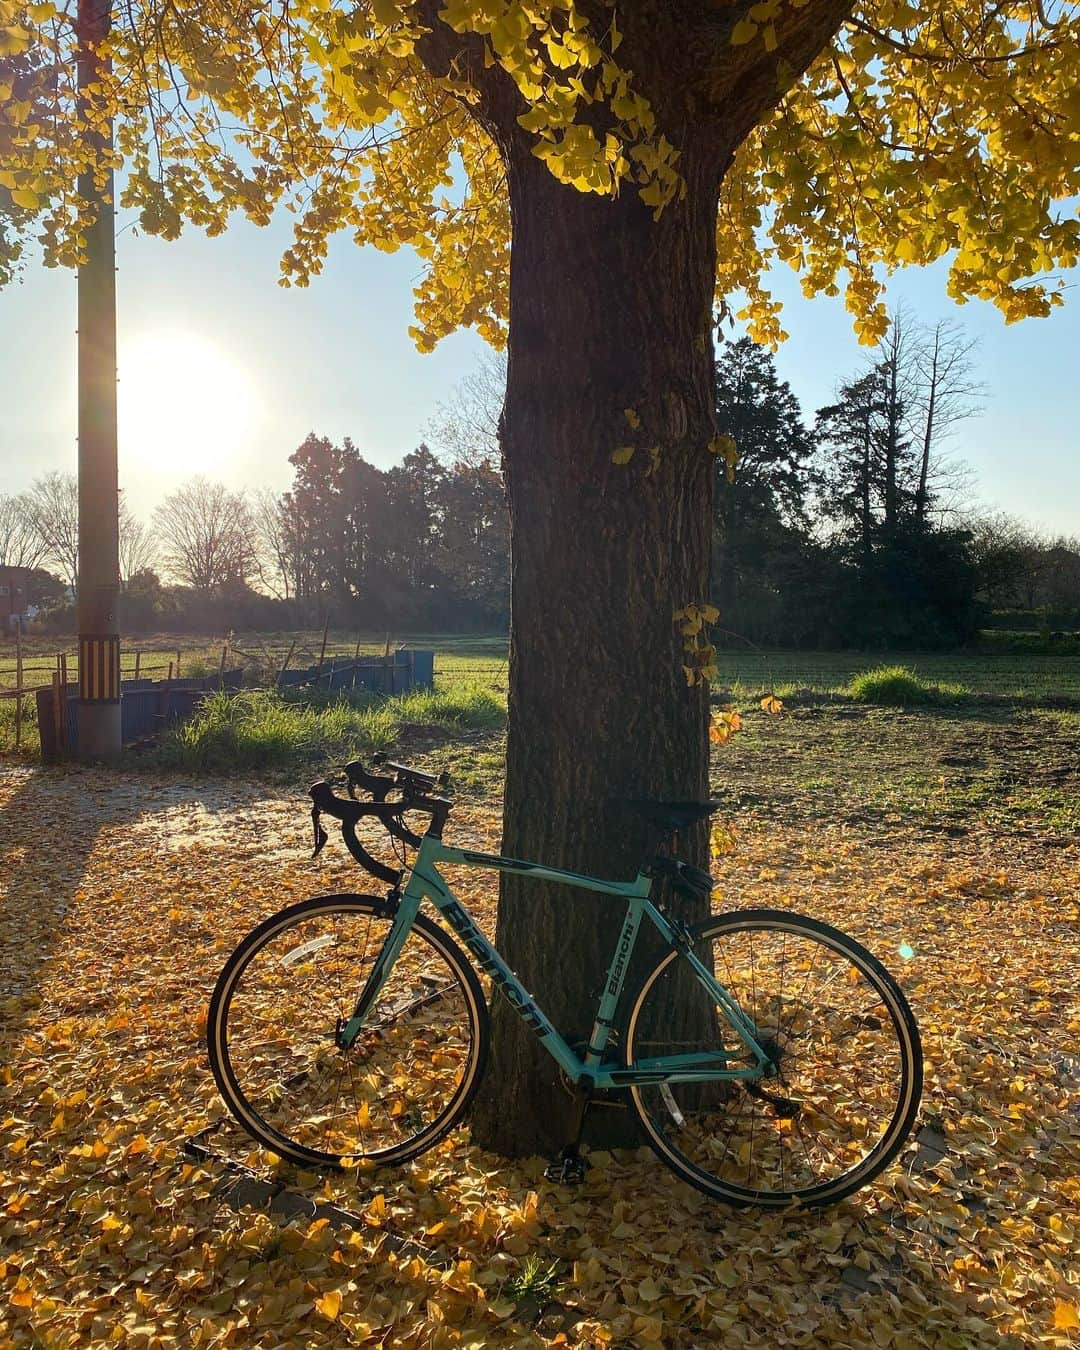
[
  {"x": 357, "y": 776},
  {"x": 320, "y": 834}
]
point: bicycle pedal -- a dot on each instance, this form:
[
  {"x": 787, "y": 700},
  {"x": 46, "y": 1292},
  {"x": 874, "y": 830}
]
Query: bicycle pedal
[{"x": 566, "y": 1171}]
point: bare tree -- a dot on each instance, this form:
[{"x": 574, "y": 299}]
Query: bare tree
[
  {"x": 946, "y": 393},
  {"x": 208, "y": 536},
  {"x": 1011, "y": 557},
  {"x": 53, "y": 503},
  {"x": 898, "y": 355},
  {"x": 279, "y": 541},
  {"x": 465, "y": 430},
  {"x": 137, "y": 551},
  {"x": 20, "y": 543},
  {"x": 928, "y": 386}
]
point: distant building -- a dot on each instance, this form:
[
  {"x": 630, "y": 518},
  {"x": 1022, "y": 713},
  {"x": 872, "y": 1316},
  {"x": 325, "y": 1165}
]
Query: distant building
[{"x": 14, "y": 596}]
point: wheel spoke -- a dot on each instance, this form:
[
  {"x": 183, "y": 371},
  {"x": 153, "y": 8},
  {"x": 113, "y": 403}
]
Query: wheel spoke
[
  {"x": 847, "y": 1075},
  {"x": 274, "y": 1048}
]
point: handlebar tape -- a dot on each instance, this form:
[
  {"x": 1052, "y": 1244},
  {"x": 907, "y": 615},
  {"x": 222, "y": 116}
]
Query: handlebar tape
[{"x": 390, "y": 875}]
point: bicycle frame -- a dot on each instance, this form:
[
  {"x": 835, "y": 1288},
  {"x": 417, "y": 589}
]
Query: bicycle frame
[{"x": 425, "y": 882}]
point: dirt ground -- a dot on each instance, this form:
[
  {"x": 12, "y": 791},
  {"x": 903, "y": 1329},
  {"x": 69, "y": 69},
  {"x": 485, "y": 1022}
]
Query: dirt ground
[{"x": 947, "y": 842}]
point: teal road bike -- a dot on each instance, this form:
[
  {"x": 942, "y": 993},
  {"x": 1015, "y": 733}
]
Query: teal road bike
[{"x": 770, "y": 1058}]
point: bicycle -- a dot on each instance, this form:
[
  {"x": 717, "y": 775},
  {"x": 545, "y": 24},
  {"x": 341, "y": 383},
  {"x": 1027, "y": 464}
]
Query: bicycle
[{"x": 351, "y": 1027}]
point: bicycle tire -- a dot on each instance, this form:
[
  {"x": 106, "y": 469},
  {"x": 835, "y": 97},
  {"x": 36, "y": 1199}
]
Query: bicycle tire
[
  {"x": 219, "y": 1038},
  {"x": 909, "y": 1063}
]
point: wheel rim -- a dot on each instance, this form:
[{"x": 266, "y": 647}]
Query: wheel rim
[
  {"x": 844, "y": 1091},
  {"x": 297, "y": 1088}
]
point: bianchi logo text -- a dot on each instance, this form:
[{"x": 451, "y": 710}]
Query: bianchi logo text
[{"x": 474, "y": 940}]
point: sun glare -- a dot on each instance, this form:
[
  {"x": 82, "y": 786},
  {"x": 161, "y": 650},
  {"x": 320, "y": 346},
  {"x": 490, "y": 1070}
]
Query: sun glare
[{"x": 184, "y": 403}]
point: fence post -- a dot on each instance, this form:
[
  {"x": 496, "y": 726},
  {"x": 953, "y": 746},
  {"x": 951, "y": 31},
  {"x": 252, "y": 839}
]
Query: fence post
[
  {"x": 322, "y": 652},
  {"x": 285, "y": 663},
  {"x": 224, "y": 657},
  {"x": 138, "y": 663},
  {"x": 177, "y": 665},
  {"x": 18, "y": 681},
  {"x": 59, "y": 721},
  {"x": 64, "y": 700},
  {"x": 355, "y": 662}
]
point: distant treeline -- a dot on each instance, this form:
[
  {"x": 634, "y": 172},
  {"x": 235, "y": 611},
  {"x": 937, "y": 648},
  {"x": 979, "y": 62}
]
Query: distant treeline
[{"x": 854, "y": 531}]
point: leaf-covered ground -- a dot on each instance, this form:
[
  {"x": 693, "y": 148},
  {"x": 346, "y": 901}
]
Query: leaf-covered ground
[{"x": 119, "y": 903}]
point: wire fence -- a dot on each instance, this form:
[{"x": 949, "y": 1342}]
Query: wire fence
[
  {"x": 281, "y": 661},
  {"x": 265, "y": 660}
]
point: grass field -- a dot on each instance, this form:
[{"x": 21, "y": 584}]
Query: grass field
[
  {"x": 1035, "y": 669},
  {"x": 1037, "y": 675}
]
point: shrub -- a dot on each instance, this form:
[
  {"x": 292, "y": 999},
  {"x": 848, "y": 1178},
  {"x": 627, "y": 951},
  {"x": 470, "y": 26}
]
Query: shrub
[{"x": 900, "y": 687}]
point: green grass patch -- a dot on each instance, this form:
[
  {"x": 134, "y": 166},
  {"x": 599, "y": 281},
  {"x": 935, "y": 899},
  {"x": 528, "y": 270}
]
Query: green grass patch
[
  {"x": 460, "y": 705},
  {"x": 538, "y": 1281},
  {"x": 30, "y": 743},
  {"x": 901, "y": 687},
  {"x": 265, "y": 729}
]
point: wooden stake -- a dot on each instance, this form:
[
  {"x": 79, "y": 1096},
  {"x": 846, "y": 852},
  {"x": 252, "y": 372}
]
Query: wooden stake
[
  {"x": 177, "y": 665},
  {"x": 224, "y": 658},
  {"x": 138, "y": 663},
  {"x": 18, "y": 683},
  {"x": 57, "y": 738},
  {"x": 322, "y": 653},
  {"x": 285, "y": 663}
]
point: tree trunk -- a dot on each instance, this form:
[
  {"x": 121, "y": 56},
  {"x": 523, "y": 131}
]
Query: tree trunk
[
  {"x": 922, "y": 499},
  {"x": 866, "y": 519},
  {"x": 892, "y": 441},
  {"x": 610, "y": 310}
]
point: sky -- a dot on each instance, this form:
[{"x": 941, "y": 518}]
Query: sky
[{"x": 223, "y": 372}]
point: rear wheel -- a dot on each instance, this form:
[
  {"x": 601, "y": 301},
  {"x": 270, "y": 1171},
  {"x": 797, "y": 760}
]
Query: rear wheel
[
  {"x": 847, "y": 1047},
  {"x": 272, "y": 1034}
]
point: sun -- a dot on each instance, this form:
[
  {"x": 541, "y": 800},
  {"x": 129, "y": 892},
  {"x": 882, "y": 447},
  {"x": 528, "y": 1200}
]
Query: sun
[{"x": 183, "y": 403}]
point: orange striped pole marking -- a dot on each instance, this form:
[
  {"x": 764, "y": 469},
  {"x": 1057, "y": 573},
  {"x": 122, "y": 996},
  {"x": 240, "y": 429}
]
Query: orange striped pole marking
[{"x": 99, "y": 669}]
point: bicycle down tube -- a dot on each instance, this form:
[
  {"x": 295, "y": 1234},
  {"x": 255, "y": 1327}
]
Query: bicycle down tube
[{"x": 426, "y": 882}]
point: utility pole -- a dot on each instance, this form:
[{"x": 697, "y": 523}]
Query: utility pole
[{"x": 99, "y": 531}]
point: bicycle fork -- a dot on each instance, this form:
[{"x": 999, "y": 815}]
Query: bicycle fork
[{"x": 347, "y": 1030}]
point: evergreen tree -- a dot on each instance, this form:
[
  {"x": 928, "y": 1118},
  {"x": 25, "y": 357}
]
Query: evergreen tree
[{"x": 761, "y": 524}]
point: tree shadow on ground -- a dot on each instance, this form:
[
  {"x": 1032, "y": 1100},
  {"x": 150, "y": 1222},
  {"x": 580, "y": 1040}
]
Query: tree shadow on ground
[
  {"x": 48, "y": 828},
  {"x": 51, "y": 820}
]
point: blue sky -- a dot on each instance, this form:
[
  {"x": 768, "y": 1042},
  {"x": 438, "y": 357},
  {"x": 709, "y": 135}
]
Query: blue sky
[{"x": 227, "y": 371}]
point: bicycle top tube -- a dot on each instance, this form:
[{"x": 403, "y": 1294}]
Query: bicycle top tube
[{"x": 433, "y": 851}]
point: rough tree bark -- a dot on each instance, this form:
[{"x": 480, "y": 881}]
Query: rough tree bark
[{"x": 609, "y": 310}]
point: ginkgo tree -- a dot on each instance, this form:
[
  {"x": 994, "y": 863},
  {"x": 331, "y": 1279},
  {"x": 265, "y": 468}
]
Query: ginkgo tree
[{"x": 585, "y": 181}]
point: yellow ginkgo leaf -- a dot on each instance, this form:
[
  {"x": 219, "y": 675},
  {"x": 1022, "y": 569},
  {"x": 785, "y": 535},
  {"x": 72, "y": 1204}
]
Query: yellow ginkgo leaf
[
  {"x": 772, "y": 705},
  {"x": 1066, "y": 1317},
  {"x": 623, "y": 455},
  {"x": 13, "y": 40},
  {"x": 329, "y": 1304}
]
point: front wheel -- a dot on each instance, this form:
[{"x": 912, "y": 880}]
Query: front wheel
[
  {"x": 272, "y": 1034},
  {"x": 849, "y": 1062}
]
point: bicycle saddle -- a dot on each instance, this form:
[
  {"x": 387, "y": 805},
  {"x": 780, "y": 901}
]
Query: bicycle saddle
[{"x": 669, "y": 816}]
